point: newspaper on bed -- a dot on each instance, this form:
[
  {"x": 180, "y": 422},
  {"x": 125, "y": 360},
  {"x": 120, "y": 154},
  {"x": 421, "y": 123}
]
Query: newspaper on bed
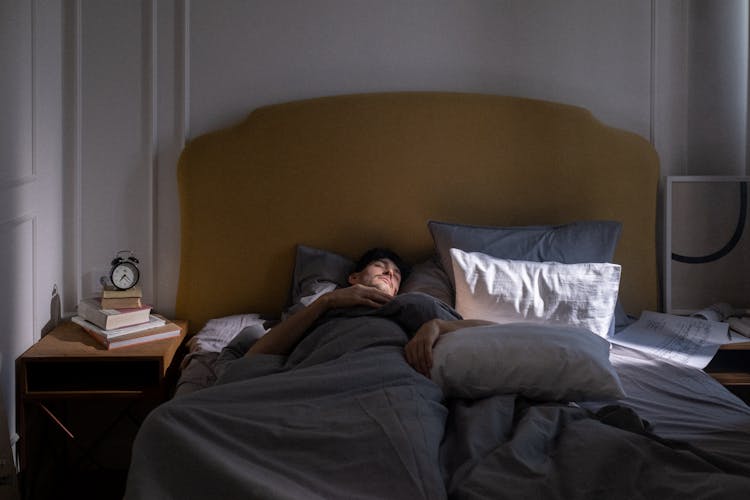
[{"x": 688, "y": 340}]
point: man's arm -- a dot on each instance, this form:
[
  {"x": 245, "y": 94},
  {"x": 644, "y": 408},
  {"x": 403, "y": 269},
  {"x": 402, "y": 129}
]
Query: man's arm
[
  {"x": 419, "y": 348},
  {"x": 282, "y": 338}
]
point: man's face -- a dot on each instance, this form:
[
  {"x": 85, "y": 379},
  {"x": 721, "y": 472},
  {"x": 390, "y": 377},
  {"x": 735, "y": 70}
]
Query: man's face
[{"x": 382, "y": 274}]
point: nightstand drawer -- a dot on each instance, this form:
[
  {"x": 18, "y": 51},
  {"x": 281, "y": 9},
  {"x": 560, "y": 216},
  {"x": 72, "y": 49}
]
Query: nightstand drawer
[
  {"x": 731, "y": 361},
  {"x": 91, "y": 376},
  {"x": 731, "y": 368}
]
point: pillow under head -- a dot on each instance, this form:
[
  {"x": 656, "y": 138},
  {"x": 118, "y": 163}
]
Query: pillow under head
[{"x": 316, "y": 272}]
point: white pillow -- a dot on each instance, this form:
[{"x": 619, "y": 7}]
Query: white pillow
[
  {"x": 542, "y": 362},
  {"x": 218, "y": 332},
  {"x": 505, "y": 291}
]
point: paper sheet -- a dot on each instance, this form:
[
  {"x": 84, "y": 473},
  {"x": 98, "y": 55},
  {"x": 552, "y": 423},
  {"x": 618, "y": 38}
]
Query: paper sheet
[
  {"x": 682, "y": 339},
  {"x": 715, "y": 312}
]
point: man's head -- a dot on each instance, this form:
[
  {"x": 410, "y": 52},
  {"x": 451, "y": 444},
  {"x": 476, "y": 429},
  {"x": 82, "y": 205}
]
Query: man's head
[{"x": 380, "y": 268}]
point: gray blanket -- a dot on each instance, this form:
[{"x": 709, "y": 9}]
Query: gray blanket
[
  {"x": 554, "y": 451},
  {"x": 344, "y": 417}
]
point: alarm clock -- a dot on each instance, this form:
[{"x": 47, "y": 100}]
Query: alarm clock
[{"x": 125, "y": 273}]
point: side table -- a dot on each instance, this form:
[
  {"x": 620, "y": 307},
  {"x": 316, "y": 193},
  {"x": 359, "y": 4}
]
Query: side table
[
  {"x": 731, "y": 367},
  {"x": 79, "y": 407}
]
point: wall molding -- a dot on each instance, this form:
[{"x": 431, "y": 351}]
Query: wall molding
[
  {"x": 35, "y": 334},
  {"x": 183, "y": 70},
  {"x": 150, "y": 77},
  {"x": 173, "y": 134},
  {"x": 17, "y": 221},
  {"x": 14, "y": 182},
  {"x": 76, "y": 148},
  {"x": 652, "y": 76},
  {"x": 34, "y": 58},
  {"x": 18, "y": 179}
]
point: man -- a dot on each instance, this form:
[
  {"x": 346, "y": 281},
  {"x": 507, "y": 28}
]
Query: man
[
  {"x": 324, "y": 400},
  {"x": 375, "y": 281}
]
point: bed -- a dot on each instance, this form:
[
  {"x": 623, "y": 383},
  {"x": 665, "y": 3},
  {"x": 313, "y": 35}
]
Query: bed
[{"x": 540, "y": 405}]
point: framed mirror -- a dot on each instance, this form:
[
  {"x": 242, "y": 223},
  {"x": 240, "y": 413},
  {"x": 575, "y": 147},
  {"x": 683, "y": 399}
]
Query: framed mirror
[{"x": 707, "y": 243}]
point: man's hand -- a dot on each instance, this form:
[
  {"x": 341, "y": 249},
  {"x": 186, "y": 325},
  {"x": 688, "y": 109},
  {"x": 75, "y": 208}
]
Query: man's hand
[
  {"x": 419, "y": 348},
  {"x": 356, "y": 295},
  {"x": 282, "y": 338}
]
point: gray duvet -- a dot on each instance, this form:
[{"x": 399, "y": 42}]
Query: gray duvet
[{"x": 345, "y": 417}]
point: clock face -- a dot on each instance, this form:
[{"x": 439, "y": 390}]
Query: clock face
[{"x": 124, "y": 275}]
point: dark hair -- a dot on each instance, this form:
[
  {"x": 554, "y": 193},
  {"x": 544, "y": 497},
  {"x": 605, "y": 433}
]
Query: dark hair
[{"x": 374, "y": 254}]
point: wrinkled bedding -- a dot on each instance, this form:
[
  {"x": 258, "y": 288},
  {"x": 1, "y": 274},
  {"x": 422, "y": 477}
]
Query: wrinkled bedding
[{"x": 344, "y": 416}]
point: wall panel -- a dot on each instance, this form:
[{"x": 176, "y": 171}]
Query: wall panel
[
  {"x": 16, "y": 164},
  {"x": 115, "y": 140},
  {"x": 718, "y": 76},
  {"x": 250, "y": 53},
  {"x": 17, "y": 267},
  {"x": 17, "y": 192}
]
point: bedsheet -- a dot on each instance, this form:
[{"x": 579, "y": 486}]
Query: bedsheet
[
  {"x": 344, "y": 416},
  {"x": 683, "y": 403}
]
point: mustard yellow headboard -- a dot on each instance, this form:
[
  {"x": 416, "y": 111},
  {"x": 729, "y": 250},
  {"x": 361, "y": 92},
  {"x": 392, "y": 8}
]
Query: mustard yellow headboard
[{"x": 349, "y": 172}]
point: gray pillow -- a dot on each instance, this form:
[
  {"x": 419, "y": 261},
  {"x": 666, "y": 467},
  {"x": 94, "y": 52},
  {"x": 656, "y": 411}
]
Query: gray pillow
[
  {"x": 575, "y": 243},
  {"x": 568, "y": 363},
  {"x": 429, "y": 277},
  {"x": 316, "y": 271}
]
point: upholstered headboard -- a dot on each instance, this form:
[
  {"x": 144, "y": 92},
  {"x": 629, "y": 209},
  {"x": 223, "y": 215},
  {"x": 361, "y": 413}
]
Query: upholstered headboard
[{"x": 349, "y": 172}]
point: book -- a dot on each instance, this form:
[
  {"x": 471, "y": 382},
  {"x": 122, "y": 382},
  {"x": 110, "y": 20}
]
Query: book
[
  {"x": 167, "y": 331},
  {"x": 153, "y": 322},
  {"x": 109, "y": 292},
  {"x": 682, "y": 339},
  {"x": 121, "y": 302},
  {"x": 107, "y": 319}
]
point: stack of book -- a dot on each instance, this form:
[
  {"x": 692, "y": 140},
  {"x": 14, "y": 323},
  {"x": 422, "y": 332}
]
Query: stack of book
[
  {"x": 124, "y": 322},
  {"x": 112, "y": 298}
]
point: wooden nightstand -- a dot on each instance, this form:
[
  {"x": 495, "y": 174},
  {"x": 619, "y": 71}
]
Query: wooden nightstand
[
  {"x": 731, "y": 367},
  {"x": 79, "y": 407}
]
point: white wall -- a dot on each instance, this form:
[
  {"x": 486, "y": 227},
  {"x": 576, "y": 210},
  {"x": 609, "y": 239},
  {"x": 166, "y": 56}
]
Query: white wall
[
  {"x": 115, "y": 72},
  {"x": 138, "y": 78},
  {"x": 31, "y": 177},
  {"x": 247, "y": 54},
  {"x": 718, "y": 70},
  {"x": 156, "y": 75}
]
